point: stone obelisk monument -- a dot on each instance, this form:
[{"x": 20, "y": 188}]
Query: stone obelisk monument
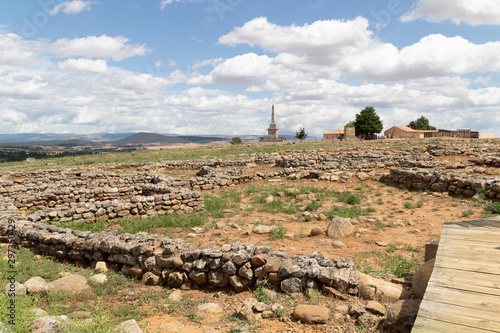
[{"x": 272, "y": 131}]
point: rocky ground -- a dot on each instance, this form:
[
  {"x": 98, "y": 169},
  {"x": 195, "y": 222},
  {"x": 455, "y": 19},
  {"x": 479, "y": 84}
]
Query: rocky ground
[{"x": 288, "y": 205}]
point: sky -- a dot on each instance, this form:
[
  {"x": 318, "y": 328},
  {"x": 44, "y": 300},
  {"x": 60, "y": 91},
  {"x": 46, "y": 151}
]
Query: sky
[{"x": 207, "y": 67}]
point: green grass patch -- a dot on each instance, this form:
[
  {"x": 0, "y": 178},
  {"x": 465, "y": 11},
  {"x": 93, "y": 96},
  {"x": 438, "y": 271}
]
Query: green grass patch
[
  {"x": 348, "y": 198},
  {"x": 467, "y": 212},
  {"x": 313, "y": 206},
  {"x": 278, "y": 233},
  {"x": 492, "y": 208},
  {"x": 350, "y": 212}
]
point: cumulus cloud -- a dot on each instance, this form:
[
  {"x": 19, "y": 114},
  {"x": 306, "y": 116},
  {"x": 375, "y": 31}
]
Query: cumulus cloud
[
  {"x": 335, "y": 48},
  {"x": 302, "y": 71},
  {"x": 84, "y": 65},
  {"x": 16, "y": 51},
  {"x": 116, "y": 48},
  {"x": 72, "y": 7},
  {"x": 477, "y": 12},
  {"x": 321, "y": 41}
]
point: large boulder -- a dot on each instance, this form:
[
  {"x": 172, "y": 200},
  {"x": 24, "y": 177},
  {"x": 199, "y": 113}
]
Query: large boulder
[
  {"x": 315, "y": 314},
  {"x": 340, "y": 227},
  {"x": 36, "y": 285},
  {"x": 421, "y": 278},
  {"x": 381, "y": 290},
  {"x": 72, "y": 284},
  {"x": 402, "y": 314}
]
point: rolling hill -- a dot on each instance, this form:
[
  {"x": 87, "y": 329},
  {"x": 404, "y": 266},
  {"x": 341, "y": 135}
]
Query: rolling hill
[{"x": 145, "y": 138}]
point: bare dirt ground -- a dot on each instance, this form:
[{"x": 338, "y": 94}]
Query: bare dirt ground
[{"x": 402, "y": 223}]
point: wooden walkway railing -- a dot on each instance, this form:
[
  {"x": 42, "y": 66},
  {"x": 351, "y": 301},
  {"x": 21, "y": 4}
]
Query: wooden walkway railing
[{"x": 463, "y": 294}]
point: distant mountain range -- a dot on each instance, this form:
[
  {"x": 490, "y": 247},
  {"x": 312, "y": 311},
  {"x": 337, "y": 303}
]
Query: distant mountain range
[
  {"x": 116, "y": 139},
  {"x": 31, "y": 137}
]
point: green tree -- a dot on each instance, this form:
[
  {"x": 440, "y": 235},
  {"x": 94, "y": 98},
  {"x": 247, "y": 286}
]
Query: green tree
[
  {"x": 301, "y": 134},
  {"x": 236, "y": 141},
  {"x": 421, "y": 123},
  {"x": 368, "y": 123},
  {"x": 351, "y": 123}
]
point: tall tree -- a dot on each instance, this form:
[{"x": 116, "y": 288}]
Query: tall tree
[
  {"x": 301, "y": 134},
  {"x": 421, "y": 123},
  {"x": 368, "y": 123}
]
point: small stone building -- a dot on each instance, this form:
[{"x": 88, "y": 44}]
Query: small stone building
[
  {"x": 334, "y": 135},
  {"x": 403, "y": 132},
  {"x": 348, "y": 133}
]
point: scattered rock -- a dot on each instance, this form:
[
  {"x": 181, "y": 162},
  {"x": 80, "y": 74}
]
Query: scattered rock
[
  {"x": 340, "y": 227},
  {"x": 129, "y": 326},
  {"x": 314, "y": 314},
  {"x": 376, "y": 308},
  {"x": 176, "y": 296},
  {"x": 99, "y": 278},
  {"x": 338, "y": 244},
  {"x": 16, "y": 288},
  {"x": 264, "y": 229},
  {"x": 362, "y": 176},
  {"x": 317, "y": 231},
  {"x": 36, "y": 285},
  {"x": 71, "y": 284},
  {"x": 210, "y": 307},
  {"x": 245, "y": 309},
  {"x": 402, "y": 314},
  {"x": 49, "y": 324},
  {"x": 101, "y": 266},
  {"x": 421, "y": 278}
]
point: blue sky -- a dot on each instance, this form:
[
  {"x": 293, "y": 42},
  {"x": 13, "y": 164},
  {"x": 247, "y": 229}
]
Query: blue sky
[{"x": 217, "y": 66}]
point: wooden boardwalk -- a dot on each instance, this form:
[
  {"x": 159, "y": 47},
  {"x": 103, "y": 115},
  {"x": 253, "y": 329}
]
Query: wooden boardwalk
[{"x": 463, "y": 294}]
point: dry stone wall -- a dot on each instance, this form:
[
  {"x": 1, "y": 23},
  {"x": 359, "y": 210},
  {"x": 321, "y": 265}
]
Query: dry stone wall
[
  {"x": 94, "y": 194},
  {"x": 445, "y": 180},
  {"x": 179, "y": 264}
]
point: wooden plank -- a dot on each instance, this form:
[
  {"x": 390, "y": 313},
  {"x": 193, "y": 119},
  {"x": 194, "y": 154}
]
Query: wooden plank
[
  {"x": 463, "y": 293},
  {"x": 466, "y": 265},
  {"x": 467, "y": 278},
  {"x": 446, "y": 282},
  {"x": 464, "y": 298},
  {"x": 460, "y": 243},
  {"x": 428, "y": 325},
  {"x": 493, "y": 227},
  {"x": 470, "y": 255},
  {"x": 466, "y": 234},
  {"x": 459, "y": 319},
  {"x": 467, "y": 313},
  {"x": 472, "y": 231}
]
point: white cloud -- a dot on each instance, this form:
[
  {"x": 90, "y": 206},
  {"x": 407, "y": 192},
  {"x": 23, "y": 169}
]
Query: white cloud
[
  {"x": 117, "y": 48},
  {"x": 207, "y": 62},
  {"x": 84, "y": 65},
  {"x": 335, "y": 48},
  {"x": 477, "y": 12},
  {"x": 323, "y": 42},
  {"x": 303, "y": 74},
  {"x": 72, "y": 7},
  {"x": 16, "y": 51},
  {"x": 164, "y": 3},
  {"x": 147, "y": 82}
]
